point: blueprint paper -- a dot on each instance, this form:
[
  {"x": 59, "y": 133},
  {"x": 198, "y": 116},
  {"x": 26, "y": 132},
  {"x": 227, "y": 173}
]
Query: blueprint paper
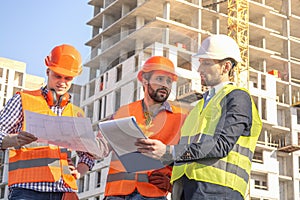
[
  {"x": 75, "y": 133},
  {"x": 121, "y": 135}
]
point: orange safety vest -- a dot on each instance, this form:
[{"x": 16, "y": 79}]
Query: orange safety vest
[
  {"x": 166, "y": 128},
  {"x": 38, "y": 162}
]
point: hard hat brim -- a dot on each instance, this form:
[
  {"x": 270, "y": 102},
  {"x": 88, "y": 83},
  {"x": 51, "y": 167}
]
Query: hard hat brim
[
  {"x": 140, "y": 74},
  {"x": 206, "y": 56},
  {"x": 63, "y": 71}
]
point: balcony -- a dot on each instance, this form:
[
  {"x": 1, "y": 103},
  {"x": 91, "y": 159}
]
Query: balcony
[
  {"x": 296, "y": 104},
  {"x": 289, "y": 148}
]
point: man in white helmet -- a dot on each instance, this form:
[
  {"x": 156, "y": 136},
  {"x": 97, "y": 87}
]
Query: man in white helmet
[{"x": 218, "y": 138}]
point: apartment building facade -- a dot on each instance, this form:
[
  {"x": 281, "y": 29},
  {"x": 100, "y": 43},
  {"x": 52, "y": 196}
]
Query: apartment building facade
[
  {"x": 127, "y": 32},
  {"x": 13, "y": 78}
]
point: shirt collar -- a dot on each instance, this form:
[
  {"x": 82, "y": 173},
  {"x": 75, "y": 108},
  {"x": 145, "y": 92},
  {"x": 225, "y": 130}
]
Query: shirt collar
[
  {"x": 221, "y": 85},
  {"x": 164, "y": 106},
  {"x": 44, "y": 92}
]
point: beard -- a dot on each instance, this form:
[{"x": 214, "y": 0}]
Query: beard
[{"x": 155, "y": 96}]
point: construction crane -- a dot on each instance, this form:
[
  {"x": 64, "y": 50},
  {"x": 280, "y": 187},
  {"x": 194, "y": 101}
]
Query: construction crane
[{"x": 238, "y": 29}]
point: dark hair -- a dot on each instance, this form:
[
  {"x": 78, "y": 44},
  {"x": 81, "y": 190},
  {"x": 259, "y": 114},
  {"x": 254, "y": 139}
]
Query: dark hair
[
  {"x": 147, "y": 75},
  {"x": 233, "y": 64}
]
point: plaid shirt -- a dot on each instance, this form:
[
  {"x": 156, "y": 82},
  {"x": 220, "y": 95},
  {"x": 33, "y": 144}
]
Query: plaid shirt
[{"x": 11, "y": 120}]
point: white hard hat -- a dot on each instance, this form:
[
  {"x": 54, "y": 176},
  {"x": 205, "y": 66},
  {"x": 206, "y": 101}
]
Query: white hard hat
[{"x": 219, "y": 47}]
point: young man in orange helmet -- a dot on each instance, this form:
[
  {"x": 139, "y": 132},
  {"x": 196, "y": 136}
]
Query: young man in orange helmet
[
  {"x": 158, "y": 119},
  {"x": 40, "y": 171}
]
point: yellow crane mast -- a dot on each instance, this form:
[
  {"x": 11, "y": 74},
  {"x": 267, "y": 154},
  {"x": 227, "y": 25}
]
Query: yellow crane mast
[{"x": 238, "y": 29}]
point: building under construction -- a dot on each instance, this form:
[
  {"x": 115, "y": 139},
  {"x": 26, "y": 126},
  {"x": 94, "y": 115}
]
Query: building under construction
[{"x": 125, "y": 33}]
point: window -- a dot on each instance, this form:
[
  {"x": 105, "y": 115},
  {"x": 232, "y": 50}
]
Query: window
[
  {"x": 4, "y": 101},
  {"x": 298, "y": 116},
  {"x": 263, "y": 109},
  {"x": 74, "y": 160},
  {"x": 18, "y": 80},
  {"x": 184, "y": 88},
  {"x": 136, "y": 63},
  {"x": 5, "y": 90},
  {"x": 101, "y": 84},
  {"x": 258, "y": 184},
  {"x": 90, "y": 110},
  {"x": 180, "y": 90},
  {"x": 87, "y": 182},
  {"x": 117, "y": 99},
  {"x": 92, "y": 88},
  {"x": 7, "y": 76},
  {"x": 2, "y": 191},
  {"x": 263, "y": 82},
  {"x": 100, "y": 109},
  {"x": 104, "y": 106},
  {"x": 260, "y": 181},
  {"x": 81, "y": 185},
  {"x": 119, "y": 73},
  {"x": 1, "y": 72},
  {"x": 15, "y": 90},
  {"x": 258, "y": 157},
  {"x": 299, "y": 162},
  {"x": 98, "y": 179}
]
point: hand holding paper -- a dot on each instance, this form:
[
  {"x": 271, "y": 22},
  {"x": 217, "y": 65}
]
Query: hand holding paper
[
  {"x": 122, "y": 135},
  {"x": 70, "y": 132},
  {"x": 17, "y": 139},
  {"x": 151, "y": 147}
]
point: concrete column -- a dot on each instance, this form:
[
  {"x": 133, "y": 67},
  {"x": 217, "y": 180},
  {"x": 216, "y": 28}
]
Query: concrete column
[
  {"x": 158, "y": 49},
  {"x": 139, "y": 45},
  {"x": 167, "y": 10},
  {"x": 140, "y": 21},
  {"x": 107, "y": 21},
  {"x": 125, "y": 9},
  {"x": 139, "y": 2},
  {"x": 216, "y": 26},
  {"x": 166, "y": 36},
  {"x": 124, "y": 32}
]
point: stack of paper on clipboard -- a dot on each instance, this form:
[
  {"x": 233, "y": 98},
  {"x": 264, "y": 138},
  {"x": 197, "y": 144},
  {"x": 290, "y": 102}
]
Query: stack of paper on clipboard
[{"x": 121, "y": 135}]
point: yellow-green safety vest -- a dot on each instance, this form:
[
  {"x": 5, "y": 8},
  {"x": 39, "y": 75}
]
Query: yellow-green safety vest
[{"x": 232, "y": 171}]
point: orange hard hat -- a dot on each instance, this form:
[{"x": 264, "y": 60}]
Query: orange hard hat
[
  {"x": 64, "y": 59},
  {"x": 158, "y": 63}
]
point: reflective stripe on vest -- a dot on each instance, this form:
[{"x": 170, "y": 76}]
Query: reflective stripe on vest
[
  {"x": 231, "y": 171},
  {"x": 23, "y": 167},
  {"x": 39, "y": 162},
  {"x": 128, "y": 176}
]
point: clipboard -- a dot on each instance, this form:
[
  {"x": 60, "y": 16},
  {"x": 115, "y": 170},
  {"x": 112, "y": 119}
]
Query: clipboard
[{"x": 121, "y": 134}]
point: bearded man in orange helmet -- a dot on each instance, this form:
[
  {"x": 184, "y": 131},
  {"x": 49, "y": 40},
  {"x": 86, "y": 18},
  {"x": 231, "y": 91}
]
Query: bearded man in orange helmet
[
  {"x": 40, "y": 171},
  {"x": 159, "y": 119}
]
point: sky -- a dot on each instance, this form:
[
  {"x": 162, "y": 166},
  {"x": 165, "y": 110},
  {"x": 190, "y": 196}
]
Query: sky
[{"x": 31, "y": 28}]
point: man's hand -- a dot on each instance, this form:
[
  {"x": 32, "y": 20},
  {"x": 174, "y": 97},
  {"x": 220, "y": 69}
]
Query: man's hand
[
  {"x": 17, "y": 139},
  {"x": 104, "y": 146},
  {"x": 74, "y": 172},
  {"x": 160, "y": 180},
  {"x": 78, "y": 172},
  {"x": 151, "y": 147}
]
